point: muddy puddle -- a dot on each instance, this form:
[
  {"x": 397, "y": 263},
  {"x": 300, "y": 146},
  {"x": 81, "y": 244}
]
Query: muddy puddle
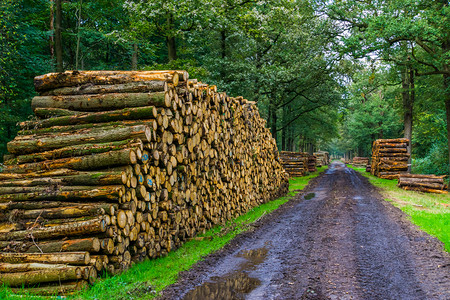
[
  {"x": 310, "y": 196},
  {"x": 235, "y": 285}
]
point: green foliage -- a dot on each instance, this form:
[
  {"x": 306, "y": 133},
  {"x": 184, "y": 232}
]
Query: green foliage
[{"x": 435, "y": 162}]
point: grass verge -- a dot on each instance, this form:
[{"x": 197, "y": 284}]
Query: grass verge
[
  {"x": 147, "y": 279},
  {"x": 431, "y": 212}
]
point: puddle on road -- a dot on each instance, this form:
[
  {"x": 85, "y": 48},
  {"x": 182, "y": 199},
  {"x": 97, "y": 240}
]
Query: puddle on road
[
  {"x": 310, "y": 196},
  {"x": 235, "y": 285}
]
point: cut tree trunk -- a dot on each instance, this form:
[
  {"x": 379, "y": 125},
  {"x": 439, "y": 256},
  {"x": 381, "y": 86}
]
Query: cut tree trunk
[
  {"x": 102, "y": 102},
  {"x": 76, "y": 78},
  {"x": 31, "y": 144}
]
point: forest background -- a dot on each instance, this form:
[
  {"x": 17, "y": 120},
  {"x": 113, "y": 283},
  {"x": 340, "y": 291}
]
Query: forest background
[{"x": 326, "y": 75}]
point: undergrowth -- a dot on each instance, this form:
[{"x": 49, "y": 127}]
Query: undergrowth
[
  {"x": 431, "y": 212},
  {"x": 147, "y": 279}
]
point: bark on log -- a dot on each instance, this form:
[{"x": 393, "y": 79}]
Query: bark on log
[
  {"x": 89, "y": 88},
  {"x": 76, "y": 78},
  {"x": 71, "y": 258},
  {"x": 111, "y": 193},
  {"x": 135, "y": 113},
  {"x": 82, "y": 178},
  {"x": 40, "y": 276},
  {"x": 75, "y": 150},
  {"x": 61, "y": 288},
  {"x": 80, "y": 163},
  {"x": 80, "y": 228},
  {"x": 102, "y": 102},
  {"x": 32, "y": 144}
]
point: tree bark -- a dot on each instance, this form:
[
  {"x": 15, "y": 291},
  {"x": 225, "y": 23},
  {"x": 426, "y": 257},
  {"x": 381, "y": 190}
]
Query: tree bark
[
  {"x": 135, "y": 113},
  {"x": 102, "y": 102},
  {"x": 58, "y": 38},
  {"x": 77, "y": 53},
  {"x": 31, "y": 143},
  {"x": 76, "y": 78},
  {"x": 40, "y": 276},
  {"x": 75, "y": 150},
  {"x": 170, "y": 39},
  {"x": 90, "y": 227},
  {"x": 131, "y": 87},
  {"x": 134, "y": 57}
]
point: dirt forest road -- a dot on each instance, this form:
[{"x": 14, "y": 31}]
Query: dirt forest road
[{"x": 338, "y": 240}]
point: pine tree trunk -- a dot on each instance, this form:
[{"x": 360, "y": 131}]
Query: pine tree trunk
[{"x": 58, "y": 38}]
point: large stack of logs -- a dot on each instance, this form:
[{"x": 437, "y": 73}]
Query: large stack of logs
[
  {"x": 389, "y": 158},
  {"x": 360, "y": 162},
  {"x": 312, "y": 161},
  {"x": 423, "y": 183},
  {"x": 121, "y": 166},
  {"x": 295, "y": 163},
  {"x": 323, "y": 158}
]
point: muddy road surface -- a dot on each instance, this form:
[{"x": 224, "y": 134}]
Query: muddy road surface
[{"x": 337, "y": 240}]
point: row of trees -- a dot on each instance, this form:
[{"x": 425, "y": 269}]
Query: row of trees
[
  {"x": 277, "y": 53},
  {"x": 408, "y": 79},
  {"x": 326, "y": 74}
]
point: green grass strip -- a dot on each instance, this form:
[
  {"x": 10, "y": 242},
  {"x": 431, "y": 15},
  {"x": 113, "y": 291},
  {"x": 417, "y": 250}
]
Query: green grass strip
[
  {"x": 147, "y": 279},
  {"x": 428, "y": 211}
]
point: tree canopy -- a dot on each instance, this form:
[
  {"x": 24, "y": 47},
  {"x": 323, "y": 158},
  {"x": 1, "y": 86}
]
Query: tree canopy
[{"x": 327, "y": 75}]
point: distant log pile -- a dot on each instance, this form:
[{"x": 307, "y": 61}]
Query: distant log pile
[
  {"x": 360, "y": 162},
  {"x": 389, "y": 158},
  {"x": 423, "y": 183},
  {"x": 122, "y": 166},
  {"x": 295, "y": 163},
  {"x": 323, "y": 158},
  {"x": 312, "y": 162}
]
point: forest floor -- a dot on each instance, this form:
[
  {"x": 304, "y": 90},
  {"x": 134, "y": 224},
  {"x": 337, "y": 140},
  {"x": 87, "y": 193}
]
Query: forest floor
[{"x": 336, "y": 240}]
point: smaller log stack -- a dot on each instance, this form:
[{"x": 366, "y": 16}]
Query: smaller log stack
[
  {"x": 423, "y": 183},
  {"x": 360, "y": 162},
  {"x": 389, "y": 158},
  {"x": 323, "y": 158},
  {"x": 295, "y": 163},
  {"x": 312, "y": 161}
]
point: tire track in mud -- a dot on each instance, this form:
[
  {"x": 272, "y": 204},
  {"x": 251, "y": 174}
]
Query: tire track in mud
[{"x": 344, "y": 243}]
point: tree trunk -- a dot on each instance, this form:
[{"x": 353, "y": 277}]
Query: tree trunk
[
  {"x": 31, "y": 143},
  {"x": 50, "y": 81},
  {"x": 77, "y": 53},
  {"x": 40, "y": 276},
  {"x": 102, "y": 102},
  {"x": 132, "y": 87},
  {"x": 90, "y": 227},
  {"x": 52, "y": 28},
  {"x": 136, "y": 113},
  {"x": 58, "y": 38},
  {"x": 170, "y": 39},
  {"x": 407, "y": 76},
  {"x": 274, "y": 121},
  {"x": 134, "y": 57}
]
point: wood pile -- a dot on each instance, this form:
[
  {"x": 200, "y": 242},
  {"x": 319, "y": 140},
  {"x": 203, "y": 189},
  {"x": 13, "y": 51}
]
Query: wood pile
[
  {"x": 360, "y": 162},
  {"x": 423, "y": 183},
  {"x": 120, "y": 166},
  {"x": 295, "y": 163},
  {"x": 389, "y": 158},
  {"x": 312, "y": 162},
  {"x": 323, "y": 158}
]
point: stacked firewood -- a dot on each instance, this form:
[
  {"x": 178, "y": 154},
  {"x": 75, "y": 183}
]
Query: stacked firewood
[
  {"x": 360, "y": 162},
  {"x": 312, "y": 161},
  {"x": 295, "y": 163},
  {"x": 323, "y": 158},
  {"x": 423, "y": 183},
  {"x": 121, "y": 166},
  {"x": 389, "y": 158}
]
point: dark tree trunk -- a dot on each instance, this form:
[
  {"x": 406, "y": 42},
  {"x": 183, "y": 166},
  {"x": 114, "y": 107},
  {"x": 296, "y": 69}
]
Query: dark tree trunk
[
  {"x": 407, "y": 82},
  {"x": 171, "y": 46},
  {"x": 58, "y": 39},
  {"x": 274, "y": 122},
  {"x": 134, "y": 57},
  {"x": 52, "y": 27}
]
